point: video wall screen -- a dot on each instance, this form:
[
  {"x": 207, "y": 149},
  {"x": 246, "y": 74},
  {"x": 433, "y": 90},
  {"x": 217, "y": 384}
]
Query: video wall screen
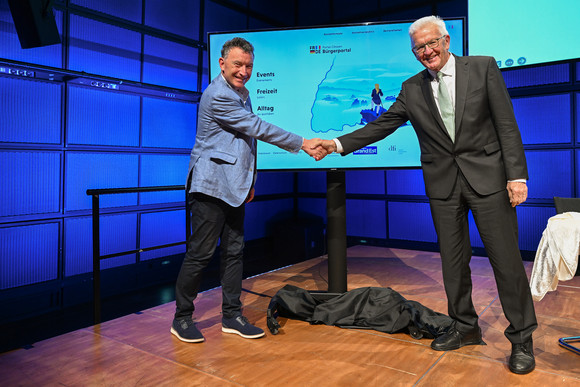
[
  {"x": 524, "y": 32},
  {"x": 320, "y": 82}
]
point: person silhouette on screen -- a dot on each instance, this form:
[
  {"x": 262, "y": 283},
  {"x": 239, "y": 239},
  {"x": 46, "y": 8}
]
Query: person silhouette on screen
[
  {"x": 376, "y": 95},
  {"x": 472, "y": 159},
  {"x": 221, "y": 179}
]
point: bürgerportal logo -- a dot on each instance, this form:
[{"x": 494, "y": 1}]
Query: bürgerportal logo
[{"x": 332, "y": 50}]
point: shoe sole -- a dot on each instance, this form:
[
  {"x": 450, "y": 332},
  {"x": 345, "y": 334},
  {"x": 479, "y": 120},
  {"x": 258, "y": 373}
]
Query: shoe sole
[
  {"x": 174, "y": 332},
  {"x": 230, "y": 330},
  {"x": 478, "y": 342},
  {"x": 522, "y": 372}
]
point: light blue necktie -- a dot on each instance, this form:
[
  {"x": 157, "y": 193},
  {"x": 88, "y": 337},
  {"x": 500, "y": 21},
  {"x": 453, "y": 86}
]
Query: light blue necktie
[{"x": 446, "y": 106}]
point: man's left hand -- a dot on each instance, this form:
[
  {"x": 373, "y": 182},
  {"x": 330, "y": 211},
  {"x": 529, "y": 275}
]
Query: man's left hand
[
  {"x": 518, "y": 192},
  {"x": 250, "y": 195}
]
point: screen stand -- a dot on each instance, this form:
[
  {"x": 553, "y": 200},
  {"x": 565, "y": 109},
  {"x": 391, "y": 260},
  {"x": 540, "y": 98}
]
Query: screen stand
[{"x": 336, "y": 235}]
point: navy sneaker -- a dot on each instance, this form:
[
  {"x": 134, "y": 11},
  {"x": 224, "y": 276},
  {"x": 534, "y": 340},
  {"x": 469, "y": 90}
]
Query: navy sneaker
[
  {"x": 185, "y": 330},
  {"x": 241, "y": 326}
]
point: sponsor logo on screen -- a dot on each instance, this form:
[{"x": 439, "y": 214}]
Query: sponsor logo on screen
[{"x": 367, "y": 150}]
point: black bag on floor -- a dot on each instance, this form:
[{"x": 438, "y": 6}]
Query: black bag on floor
[{"x": 381, "y": 309}]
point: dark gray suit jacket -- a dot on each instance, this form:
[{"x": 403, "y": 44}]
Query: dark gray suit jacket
[{"x": 488, "y": 147}]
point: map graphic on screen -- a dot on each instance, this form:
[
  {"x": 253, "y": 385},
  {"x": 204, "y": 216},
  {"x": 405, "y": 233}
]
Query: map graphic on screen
[{"x": 329, "y": 81}]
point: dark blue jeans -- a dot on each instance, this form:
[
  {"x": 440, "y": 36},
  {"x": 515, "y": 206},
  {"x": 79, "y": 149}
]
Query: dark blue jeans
[{"x": 212, "y": 220}]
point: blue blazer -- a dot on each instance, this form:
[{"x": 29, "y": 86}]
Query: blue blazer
[{"x": 223, "y": 159}]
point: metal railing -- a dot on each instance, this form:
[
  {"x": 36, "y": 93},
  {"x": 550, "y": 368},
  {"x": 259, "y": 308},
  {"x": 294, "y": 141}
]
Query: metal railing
[{"x": 97, "y": 257}]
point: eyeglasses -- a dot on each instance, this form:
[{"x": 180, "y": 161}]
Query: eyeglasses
[{"x": 432, "y": 44}]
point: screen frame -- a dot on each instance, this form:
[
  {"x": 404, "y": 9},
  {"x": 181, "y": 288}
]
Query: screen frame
[{"x": 463, "y": 46}]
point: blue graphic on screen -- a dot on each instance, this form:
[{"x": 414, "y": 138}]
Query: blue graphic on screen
[{"x": 322, "y": 82}]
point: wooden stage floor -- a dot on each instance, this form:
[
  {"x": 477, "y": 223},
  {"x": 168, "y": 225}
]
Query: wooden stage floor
[{"x": 138, "y": 350}]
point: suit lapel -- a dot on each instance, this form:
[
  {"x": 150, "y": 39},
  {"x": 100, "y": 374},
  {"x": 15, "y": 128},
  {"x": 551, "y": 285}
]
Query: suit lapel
[{"x": 461, "y": 80}]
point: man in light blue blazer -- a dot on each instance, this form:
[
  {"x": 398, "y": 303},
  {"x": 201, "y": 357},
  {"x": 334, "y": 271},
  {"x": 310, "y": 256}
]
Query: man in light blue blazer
[{"x": 221, "y": 178}]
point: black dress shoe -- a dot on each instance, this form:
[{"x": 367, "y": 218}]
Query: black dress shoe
[
  {"x": 522, "y": 358},
  {"x": 453, "y": 339}
]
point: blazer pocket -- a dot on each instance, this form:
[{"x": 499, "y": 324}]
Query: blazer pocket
[
  {"x": 223, "y": 157},
  {"x": 426, "y": 158},
  {"x": 474, "y": 93},
  {"x": 491, "y": 148}
]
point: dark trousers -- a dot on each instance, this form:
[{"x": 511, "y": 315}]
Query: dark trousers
[
  {"x": 212, "y": 220},
  {"x": 498, "y": 228}
]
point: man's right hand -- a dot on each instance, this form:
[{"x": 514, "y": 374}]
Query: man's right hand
[
  {"x": 328, "y": 145},
  {"x": 318, "y": 148},
  {"x": 313, "y": 148}
]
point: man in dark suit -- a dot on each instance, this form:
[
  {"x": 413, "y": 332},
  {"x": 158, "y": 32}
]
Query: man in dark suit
[{"x": 472, "y": 159}]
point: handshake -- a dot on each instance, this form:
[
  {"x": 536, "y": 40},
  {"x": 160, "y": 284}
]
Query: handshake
[{"x": 318, "y": 148}]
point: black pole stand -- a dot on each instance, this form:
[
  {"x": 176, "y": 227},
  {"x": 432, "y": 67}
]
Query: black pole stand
[{"x": 336, "y": 236}]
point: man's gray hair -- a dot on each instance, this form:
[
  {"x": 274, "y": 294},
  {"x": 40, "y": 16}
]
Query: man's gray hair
[
  {"x": 428, "y": 20},
  {"x": 239, "y": 43}
]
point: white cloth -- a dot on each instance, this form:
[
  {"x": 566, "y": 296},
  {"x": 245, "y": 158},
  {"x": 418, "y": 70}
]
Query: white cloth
[{"x": 557, "y": 254}]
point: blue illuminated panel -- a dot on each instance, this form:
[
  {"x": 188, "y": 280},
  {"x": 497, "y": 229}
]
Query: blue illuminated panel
[
  {"x": 98, "y": 117},
  {"x": 312, "y": 181},
  {"x": 92, "y": 49},
  {"x": 550, "y": 173},
  {"x": 28, "y": 254},
  {"x": 159, "y": 170},
  {"x": 168, "y": 124},
  {"x": 160, "y": 228},
  {"x": 283, "y": 11},
  {"x": 175, "y": 16},
  {"x": 126, "y": 9},
  {"x": 545, "y": 119},
  {"x": 220, "y": 18},
  {"x": 577, "y": 173},
  {"x": 118, "y": 234},
  {"x": 366, "y": 218},
  {"x": 536, "y": 76},
  {"x": 313, "y": 206},
  {"x": 30, "y": 111},
  {"x": 405, "y": 182},
  {"x": 411, "y": 221},
  {"x": 256, "y": 24},
  {"x": 170, "y": 64},
  {"x": 365, "y": 182},
  {"x": 99, "y": 170},
  {"x": 532, "y": 221},
  {"x": 578, "y": 113},
  {"x": 31, "y": 182},
  {"x": 261, "y": 214},
  {"x": 205, "y": 74},
  {"x": 11, "y": 49},
  {"x": 274, "y": 183}
]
